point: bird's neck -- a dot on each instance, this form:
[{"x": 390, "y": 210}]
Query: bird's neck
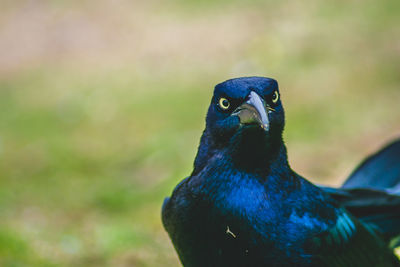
[
  {"x": 253, "y": 150},
  {"x": 249, "y": 151}
]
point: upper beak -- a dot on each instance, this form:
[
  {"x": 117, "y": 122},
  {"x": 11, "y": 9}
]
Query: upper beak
[{"x": 253, "y": 111}]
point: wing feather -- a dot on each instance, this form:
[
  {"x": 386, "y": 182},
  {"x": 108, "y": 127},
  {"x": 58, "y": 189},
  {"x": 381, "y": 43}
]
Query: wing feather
[{"x": 350, "y": 243}]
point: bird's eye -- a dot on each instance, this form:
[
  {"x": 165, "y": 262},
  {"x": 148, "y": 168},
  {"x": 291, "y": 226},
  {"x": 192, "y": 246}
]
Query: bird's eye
[
  {"x": 224, "y": 103},
  {"x": 275, "y": 97}
]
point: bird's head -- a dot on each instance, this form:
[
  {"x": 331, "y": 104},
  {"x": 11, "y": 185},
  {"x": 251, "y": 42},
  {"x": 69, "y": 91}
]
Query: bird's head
[
  {"x": 246, "y": 117},
  {"x": 243, "y": 106}
]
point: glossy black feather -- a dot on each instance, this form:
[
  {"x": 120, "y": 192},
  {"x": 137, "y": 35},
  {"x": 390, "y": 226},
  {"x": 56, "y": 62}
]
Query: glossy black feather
[
  {"x": 372, "y": 191},
  {"x": 244, "y": 206},
  {"x": 379, "y": 209}
]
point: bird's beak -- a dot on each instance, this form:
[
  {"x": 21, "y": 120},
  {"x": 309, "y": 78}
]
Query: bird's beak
[{"x": 253, "y": 111}]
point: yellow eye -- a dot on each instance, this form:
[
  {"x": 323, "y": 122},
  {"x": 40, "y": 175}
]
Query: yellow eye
[
  {"x": 275, "y": 97},
  {"x": 224, "y": 103}
]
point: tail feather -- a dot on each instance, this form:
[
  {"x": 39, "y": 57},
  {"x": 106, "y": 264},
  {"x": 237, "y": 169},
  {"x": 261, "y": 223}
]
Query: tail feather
[{"x": 379, "y": 171}]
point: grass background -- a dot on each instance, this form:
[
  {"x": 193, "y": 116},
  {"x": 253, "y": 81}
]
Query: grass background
[{"x": 102, "y": 104}]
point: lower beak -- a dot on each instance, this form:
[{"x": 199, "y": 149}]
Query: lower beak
[{"x": 253, "y": 111}]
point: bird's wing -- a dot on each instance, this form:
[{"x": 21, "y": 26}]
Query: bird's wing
[
  {"x": 168, "y": 201},
  {"x": 378, "y": 208},
  {"x": 351, "y": 243}
]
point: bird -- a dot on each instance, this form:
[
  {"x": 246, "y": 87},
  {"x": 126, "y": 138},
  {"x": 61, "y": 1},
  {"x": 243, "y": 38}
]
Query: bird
[{"x": 243, "y": 205}]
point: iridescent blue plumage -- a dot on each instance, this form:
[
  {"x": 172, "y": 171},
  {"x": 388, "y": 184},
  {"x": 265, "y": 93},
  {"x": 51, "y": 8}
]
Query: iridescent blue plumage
[{"x": 244, "y": 206}]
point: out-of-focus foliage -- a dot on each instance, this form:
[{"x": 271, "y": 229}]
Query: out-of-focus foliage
[{"x": 102, "y": 104}]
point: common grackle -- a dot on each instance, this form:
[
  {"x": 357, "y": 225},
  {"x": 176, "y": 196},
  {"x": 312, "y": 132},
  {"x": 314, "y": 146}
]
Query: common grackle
[{"x": 244, "y": 206}]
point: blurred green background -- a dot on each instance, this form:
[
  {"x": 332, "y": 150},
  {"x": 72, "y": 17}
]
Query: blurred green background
[{"x": 102, "y": 104}]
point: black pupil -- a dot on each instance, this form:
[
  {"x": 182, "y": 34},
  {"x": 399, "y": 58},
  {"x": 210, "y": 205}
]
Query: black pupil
[{"x": 225, "y": 103}]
